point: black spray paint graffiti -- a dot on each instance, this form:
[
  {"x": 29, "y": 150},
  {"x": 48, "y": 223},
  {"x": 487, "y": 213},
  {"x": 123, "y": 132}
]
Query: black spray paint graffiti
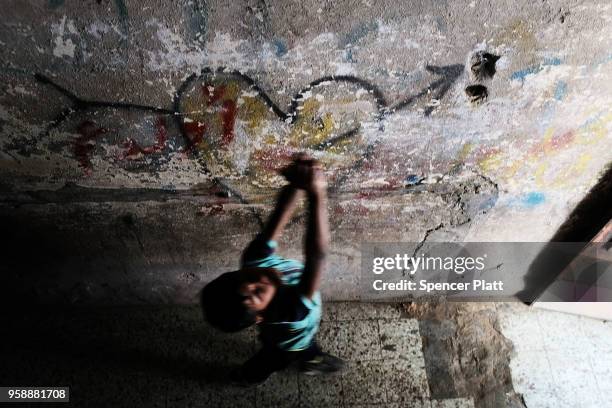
[
  {"x": 192, "y": 133},
  {"x": 448, "y": 75}
]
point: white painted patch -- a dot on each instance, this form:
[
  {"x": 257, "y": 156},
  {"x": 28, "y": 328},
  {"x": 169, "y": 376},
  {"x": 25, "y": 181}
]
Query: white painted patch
[
  {"x": 251, "y": 94},
  {"x": 410, "y": 43},
  {"x": 98, "y": 28},
  {"x": 18, "y": 90},
  {"x": 361, "y": 92},
  {"x": 344, "y": 68},
  {"x": 175, "y": 55},
  {"x": 63, "y": 46}
]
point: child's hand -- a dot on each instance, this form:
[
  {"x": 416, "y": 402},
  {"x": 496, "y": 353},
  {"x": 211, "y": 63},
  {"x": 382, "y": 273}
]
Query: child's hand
[
  {"x": 305, "y": 173},
  {"x": 317, "y": 184},
  {"x": 295, "y": 173}
]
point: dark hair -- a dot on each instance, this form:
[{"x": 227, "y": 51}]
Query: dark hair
[{"x": 222, "y": 304}]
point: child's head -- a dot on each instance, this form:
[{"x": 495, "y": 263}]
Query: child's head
[{"x": 235, "y": 300}]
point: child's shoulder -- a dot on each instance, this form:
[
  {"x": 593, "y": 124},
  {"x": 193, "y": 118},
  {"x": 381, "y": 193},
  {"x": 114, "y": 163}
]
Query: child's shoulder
[{"x": 259, "y": 248}]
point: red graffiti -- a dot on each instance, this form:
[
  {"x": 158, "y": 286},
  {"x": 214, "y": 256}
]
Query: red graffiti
[
  {"x": 353, "y": 209},
  {"x": 273, "y": 159},
  {"x": 133, "y": 150},
  {"x": 484, "y": 152},
  {"x": 564, "y": 139},
  {"x": 391, "y": 184},
  {"x": 195, "y": 133},
  {"x": 84, "y": 145},
  {"x": 554, "y": 143},
  {"x": 228, "y": 119},
  {"x": 229, "y": 109},
  {"x": 213, "y": 93}
]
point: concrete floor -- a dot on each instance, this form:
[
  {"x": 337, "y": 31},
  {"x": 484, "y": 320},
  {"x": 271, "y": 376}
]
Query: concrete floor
[
  {"x": 167, "y": 357},
  {"x": 560, "y": 360}
]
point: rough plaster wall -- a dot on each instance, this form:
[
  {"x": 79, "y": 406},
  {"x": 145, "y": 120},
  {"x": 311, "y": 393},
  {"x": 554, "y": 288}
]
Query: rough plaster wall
[{"x": 140, "y": 140}]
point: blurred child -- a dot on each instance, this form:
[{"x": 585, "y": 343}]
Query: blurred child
[{"x": 281, "y": 296}]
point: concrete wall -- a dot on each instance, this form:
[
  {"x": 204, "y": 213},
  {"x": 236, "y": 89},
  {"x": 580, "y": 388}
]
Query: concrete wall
[{"x": 139, "y": 140}]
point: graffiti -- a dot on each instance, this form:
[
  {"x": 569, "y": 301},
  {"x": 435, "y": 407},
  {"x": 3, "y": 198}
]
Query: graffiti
[
  {"x": 134, "y": 150},
  {"x": 84, "y": 144},
  {"x": 560, "y": 90},
  {"x": 89, "y": 133},
  {"x": 233, "y": 128},
  {"x": 552, "y": 146},
  {"x": 527, "y": 201},
  {"x": 523, "y": 73}
]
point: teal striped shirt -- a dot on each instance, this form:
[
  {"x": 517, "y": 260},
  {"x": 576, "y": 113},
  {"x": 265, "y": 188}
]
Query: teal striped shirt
[{"x": 289, "y": 330}]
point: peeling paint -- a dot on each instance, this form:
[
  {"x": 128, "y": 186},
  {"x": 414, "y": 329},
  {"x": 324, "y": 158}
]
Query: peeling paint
[{"x": 128, "y": 98}]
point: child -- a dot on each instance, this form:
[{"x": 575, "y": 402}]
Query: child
[{"x": 281, "y": 296}]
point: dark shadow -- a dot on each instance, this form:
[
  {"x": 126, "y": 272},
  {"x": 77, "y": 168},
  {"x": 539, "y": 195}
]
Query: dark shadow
[
  {"x": 586, "y": 220},
  {"x": 171, "y": 342}
]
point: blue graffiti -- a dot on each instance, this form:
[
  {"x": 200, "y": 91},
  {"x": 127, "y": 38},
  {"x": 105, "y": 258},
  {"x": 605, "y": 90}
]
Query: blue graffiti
[
  {"x": 560, "y": 90},
  {"x": 534, "y": 69},
  {"x": 526, "y": 201},
  {"x": 281, "y": 47},
  {"x": 533, "y": 199},
  {"x": 413, "y": 180}
]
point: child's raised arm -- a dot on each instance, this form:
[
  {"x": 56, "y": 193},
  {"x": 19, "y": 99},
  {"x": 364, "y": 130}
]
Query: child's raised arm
[
  {"x": 297, "y": 173},
  {"x": 281, "y": 215},
  {"x": 317, "y": 232}
]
